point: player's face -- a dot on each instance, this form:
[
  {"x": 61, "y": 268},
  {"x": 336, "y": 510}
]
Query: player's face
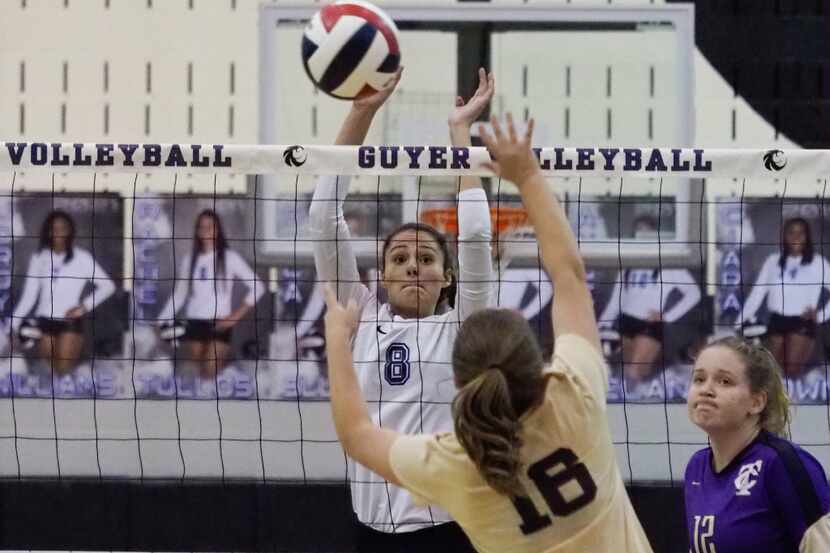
[
  {"x": 414, "y": 273},
  {"x": 60, "y": 233},
  {"x": 720, "y": 398},
  {"x": 795, "y": 236},
  {"x": 207, "y": 231}
]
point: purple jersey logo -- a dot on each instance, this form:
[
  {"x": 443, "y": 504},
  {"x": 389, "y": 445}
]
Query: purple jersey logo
[{"x": 747, "y": 477}]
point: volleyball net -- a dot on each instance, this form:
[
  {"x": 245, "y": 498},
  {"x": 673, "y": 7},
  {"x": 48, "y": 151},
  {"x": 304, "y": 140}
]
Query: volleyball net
[{"x": 677, "y": 243}]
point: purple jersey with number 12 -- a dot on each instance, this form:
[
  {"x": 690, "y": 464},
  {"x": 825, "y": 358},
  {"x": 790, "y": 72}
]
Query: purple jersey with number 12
[{"x": 751, "y": 506}]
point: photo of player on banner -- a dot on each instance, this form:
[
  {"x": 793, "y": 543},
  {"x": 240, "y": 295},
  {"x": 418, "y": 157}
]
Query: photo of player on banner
[
  {"x": 296, "y": 365},
  {"x": 196, "y": 310},
  {"x": 774, "y": 284},
  {"x": 652, "y": 320},
  {"x": 64, "y": 312},
  {"x": 677, "y": 330}
]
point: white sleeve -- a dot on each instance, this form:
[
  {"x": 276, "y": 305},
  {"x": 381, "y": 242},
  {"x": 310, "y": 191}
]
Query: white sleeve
[
  {"x": 612, "y": 308},
  {"x": 334, "y": 258},
  {"x": 179, "y": 296},
  {"x": 475, "y": 263},
  {"x": 759, "y": 290},
  {"x": 681, "y": 280},
  {"x": 30, "y": 295},
  {"x": 242, "y": 271},
  {"x": 102, "y": 285}
]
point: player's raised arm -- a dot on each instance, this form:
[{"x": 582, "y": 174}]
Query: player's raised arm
[
  {"x": 334, "y": 258},
  {"x": 362, "y": 440},
  {"x": 573, "y": 310},
  {"x": 475, "y": 265},
  {"x": 465, "y": 114}
]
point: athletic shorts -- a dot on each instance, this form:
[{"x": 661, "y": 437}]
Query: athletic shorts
[
  {"x": 204, "y": 330},
  {"x": 59, "y": 326},
  {"x": 781, "y": 324},
  {"x": 632, "y": 326}
]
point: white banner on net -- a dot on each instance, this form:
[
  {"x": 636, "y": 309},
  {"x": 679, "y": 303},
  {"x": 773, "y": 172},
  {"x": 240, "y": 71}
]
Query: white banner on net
[{"x": 406, "y": 160}]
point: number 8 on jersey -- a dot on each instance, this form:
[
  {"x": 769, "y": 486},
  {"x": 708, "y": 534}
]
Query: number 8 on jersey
[{"x": 396, "y": 370}]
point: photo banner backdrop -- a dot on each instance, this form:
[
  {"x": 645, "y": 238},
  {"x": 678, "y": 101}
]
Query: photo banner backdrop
[
  {"x": 297, "y": 364},
  {"x": 99, "y": 242},
  {"x": 749, "y": 248},
  {"x": 164, "y": 228},
  {"x": 652, "y": 320}
]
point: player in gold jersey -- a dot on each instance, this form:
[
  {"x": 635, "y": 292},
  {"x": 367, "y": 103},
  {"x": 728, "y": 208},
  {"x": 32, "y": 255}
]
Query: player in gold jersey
[{"x": 531, "y": 465}]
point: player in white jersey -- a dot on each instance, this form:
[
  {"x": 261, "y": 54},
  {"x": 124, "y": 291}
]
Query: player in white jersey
[
  {"x": 403, "y": 347},
  {"x": 792, "y": 283},
  {"x": 531, "y": 465},
  {"x": 639, "y": 307},
  {"x": 58, "y": 274},
  {"x": 204, "y": 287}
]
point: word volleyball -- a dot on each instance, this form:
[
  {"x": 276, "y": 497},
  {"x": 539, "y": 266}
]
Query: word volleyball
[{"x": 151, "y": 155}]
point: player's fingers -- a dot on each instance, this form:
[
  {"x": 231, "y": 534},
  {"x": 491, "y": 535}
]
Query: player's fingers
[
  {"x": 511, "y": 129},
  {"x": 482, "y": 78},
  {"x": 485, "y": 136},
  {"x": 393, "y": 81},
  {"x": 352, "y": 310},
  {"x": 459, "y": 101},
  {"x": 494, "y": 122},
  {"x": 491, "y": 84},
  {"x": 331, "y": 297},
  {"x": 493, "y": 167},
  {"x": 529, "y": 131}
]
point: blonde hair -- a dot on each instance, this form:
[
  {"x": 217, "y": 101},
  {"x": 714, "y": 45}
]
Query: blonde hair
[
  {"x": 498, "y": 367},
  {"x": 764, "y": 375}
]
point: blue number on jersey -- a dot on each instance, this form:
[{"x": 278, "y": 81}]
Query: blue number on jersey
[
  {"x": 396, "y": 370},
  {"x": 203, "y": 273}
]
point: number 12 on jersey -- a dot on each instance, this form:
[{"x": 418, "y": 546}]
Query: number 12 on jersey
[
  {"x": 704, "y": 530},
  {"x": 551, "y": 486}
]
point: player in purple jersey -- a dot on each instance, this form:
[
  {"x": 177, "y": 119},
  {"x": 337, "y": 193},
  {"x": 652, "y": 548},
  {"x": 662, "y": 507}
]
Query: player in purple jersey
[{"x": 751, "y": 491}]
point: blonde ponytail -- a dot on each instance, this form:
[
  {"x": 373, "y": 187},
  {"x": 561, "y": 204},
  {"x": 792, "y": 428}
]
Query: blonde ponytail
[
  {"x": 498, "y": 369},
  {"x": 487, "y": 426}
]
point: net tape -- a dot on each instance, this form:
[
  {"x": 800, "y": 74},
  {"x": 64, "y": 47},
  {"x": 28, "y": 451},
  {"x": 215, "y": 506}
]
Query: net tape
[{"x": 406, "y": 160}]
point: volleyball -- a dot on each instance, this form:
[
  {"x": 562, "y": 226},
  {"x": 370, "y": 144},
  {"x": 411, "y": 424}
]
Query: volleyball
[{"x": 350, "y": 48}]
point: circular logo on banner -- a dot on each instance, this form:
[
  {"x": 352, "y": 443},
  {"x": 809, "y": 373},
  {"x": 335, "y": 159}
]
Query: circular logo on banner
[
  {"x": 294, "y": 156},
  {"x": 775, "y": 160}
]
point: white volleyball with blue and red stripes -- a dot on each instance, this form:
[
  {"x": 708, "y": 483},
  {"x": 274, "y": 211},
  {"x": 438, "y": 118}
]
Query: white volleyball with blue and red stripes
[{"x": 350, "y": 49}]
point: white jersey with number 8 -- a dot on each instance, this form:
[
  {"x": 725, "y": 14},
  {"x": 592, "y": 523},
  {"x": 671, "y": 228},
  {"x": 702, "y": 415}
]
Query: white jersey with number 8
[{"x": 404, "y": 366}]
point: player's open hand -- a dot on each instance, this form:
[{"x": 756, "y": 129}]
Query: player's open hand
[
  {"x": 341, "y": 322},
  {"x": 514, "y": 160},
  {"x": 375, "y": 100},
  {"x": 465, "y": 114}
]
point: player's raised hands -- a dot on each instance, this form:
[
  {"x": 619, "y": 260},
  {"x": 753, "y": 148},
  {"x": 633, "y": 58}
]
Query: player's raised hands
[
  {"x": 466, "y": 113},
  {"x": 375, "y": 100},
  {"x": 514, "y": 160},
  {"x": 341, "y": 322}
]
